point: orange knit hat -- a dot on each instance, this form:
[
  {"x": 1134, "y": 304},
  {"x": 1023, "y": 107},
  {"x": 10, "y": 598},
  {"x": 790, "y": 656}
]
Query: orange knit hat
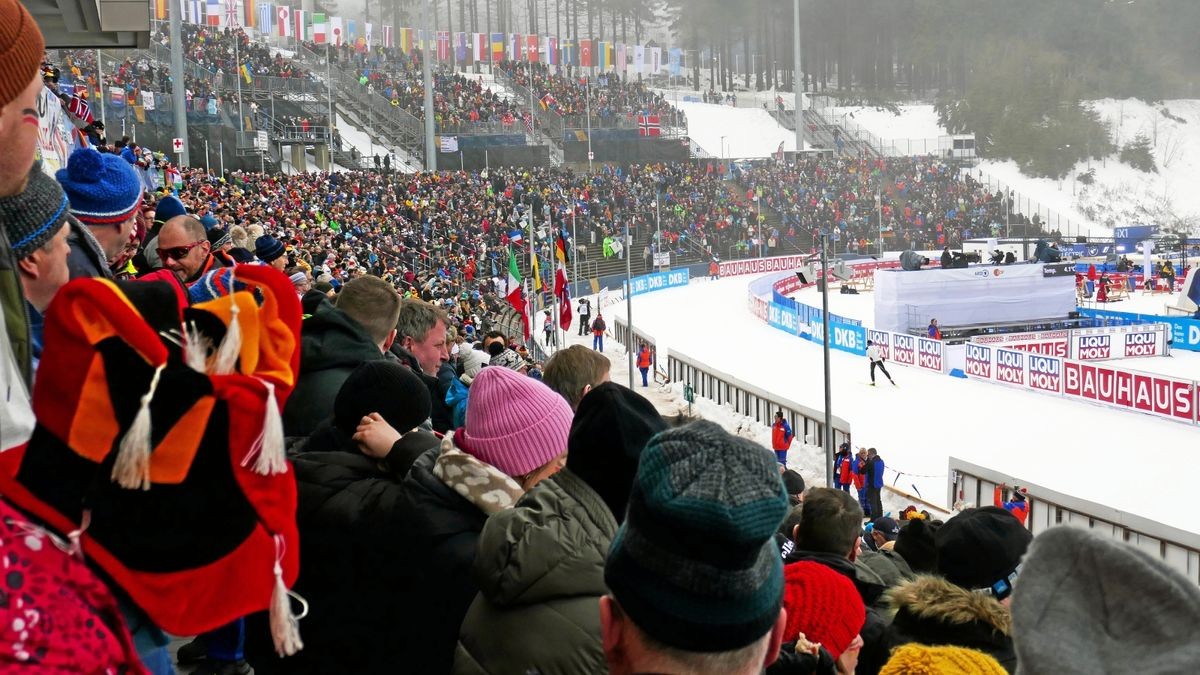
[{"x": 21, "y": 47}]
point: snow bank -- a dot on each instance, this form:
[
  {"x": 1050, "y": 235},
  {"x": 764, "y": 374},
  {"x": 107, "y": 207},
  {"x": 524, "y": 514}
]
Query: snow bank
[{"x": 747, "y": 132}]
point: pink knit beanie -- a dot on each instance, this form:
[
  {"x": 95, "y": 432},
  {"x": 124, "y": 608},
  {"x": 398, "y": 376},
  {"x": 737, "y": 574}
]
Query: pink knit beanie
[{"x": 514, "y": 422}]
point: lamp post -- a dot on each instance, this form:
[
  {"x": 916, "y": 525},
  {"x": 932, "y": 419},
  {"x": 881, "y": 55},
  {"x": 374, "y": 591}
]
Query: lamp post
[
  {"x": 827, "y": 442},
  {"x": 658, "y": 218},
  {"x": 628, "y": 305}
]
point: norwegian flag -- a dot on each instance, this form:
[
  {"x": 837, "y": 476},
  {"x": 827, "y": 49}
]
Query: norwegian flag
[
  {"x": 648, "y": 125},
  {"x": 80, "y": 109}
]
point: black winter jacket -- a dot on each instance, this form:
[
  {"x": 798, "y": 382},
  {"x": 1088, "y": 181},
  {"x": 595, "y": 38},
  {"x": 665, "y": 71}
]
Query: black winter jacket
[{"x": 332, "y": 345}]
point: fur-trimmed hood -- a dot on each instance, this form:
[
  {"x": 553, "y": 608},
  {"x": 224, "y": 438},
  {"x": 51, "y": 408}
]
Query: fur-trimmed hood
[
  {"x": 930, "y": 597},
  {"x": 933, "y": 611}
]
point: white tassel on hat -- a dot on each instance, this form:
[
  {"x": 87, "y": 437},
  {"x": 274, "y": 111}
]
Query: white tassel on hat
[
  {"x": 196, "y": 347},
  {"x": 285, "y": 626},
  {"x": 272, "y": 458},
  {"x": 131, "y": 470},
  {"x": 231, "y": 346}
]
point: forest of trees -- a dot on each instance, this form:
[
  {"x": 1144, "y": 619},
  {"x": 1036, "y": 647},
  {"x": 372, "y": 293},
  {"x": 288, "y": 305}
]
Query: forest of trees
[{"x": 1014, "y": 72}]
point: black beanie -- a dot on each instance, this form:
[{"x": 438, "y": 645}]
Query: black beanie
[
  {"x": 980, "y": 547},
  {"x": 610, "y": 430},
  {"x": 915, "y": 545},
  {"x": 383, "y": 387}
]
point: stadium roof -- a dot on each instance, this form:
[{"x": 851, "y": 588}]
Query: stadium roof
[{"x": 69, "y": 24}]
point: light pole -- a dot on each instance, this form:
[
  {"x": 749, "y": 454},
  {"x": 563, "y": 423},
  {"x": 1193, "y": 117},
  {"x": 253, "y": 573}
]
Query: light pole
[
  {"x": 828, "y": 440},
  {"x": 722, "y": 151},
  {"x": 879, "y": 209},
  {"x": 628, "y": 306},
  {"x": 798, "y": 80},
  {"x": 658, "y": 218},
  {"x": 587, "y": 102}
]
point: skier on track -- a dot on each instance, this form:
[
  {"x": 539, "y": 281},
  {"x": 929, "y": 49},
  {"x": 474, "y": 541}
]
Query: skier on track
[{"x": 876, "y": 360}]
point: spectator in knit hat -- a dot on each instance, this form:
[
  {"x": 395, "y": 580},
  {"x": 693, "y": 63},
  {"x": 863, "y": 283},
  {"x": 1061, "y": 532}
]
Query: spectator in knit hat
[
  {"x": 34, "y": 222},
  {"x": 167, "y": 208},
  {"x": 271, "y": 251},
  {"x": 979, "y": 556},
  {"x": 823, "y": 607},
  {"x": 915, "y": 544},
  {"x": 1085, "y": 603},
  {"x": 350, "y": 511},
  {"x": 695, "y": 578},
  {"x": 515, "y": 437},
  {"x": 21, "y": 47},
  {"x": 914, "y": 659},
  {"x": 184, "y": 249},
  {"x": 575, "y": 371},
  {"x": 510, "y": 359},
  {"x": 105, "y": 194},
  {"x": 335, "y": 341},
  {"x": 541, "y": 564},
  {"x": 827, "y": 532}
]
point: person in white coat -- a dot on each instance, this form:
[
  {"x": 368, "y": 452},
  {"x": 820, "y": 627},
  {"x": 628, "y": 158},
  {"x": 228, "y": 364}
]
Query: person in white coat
[{"x": 876, "y": 359}]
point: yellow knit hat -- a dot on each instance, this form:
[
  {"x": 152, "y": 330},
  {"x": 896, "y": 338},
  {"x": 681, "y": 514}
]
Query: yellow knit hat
[{"x": 915, "y": 659}]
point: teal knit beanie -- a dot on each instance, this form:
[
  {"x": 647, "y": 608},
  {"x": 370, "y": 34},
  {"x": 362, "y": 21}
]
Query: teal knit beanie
[{"x": 694, "y": 565}]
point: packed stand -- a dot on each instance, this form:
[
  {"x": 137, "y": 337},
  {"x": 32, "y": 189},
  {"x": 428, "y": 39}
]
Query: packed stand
[
  {"x": 374, "y": 489},
  {"x": 461, "y": 103},
  {"x": 926, "y": 203},
  {"x": 608, "y": 95}
]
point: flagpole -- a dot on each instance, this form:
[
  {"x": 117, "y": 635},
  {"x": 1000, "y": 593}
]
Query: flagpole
[
  {"x": 237, "y": 60},
  {"x": 533, "y": 283},
  {"x": 100, "y": 84}
]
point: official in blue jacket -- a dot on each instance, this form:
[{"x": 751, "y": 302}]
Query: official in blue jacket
[{"x": 874, "y": 482}]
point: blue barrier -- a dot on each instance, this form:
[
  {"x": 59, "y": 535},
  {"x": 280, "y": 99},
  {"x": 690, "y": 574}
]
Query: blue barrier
[
  {"x": 657, "y": 281},
  {"x": 1185, "y": 332}
]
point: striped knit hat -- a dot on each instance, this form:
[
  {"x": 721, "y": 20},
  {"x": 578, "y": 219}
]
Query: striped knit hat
[
  {"x": 694, "y": 565},
  {"x": 32, "y": 217},
  {"x": 514, "y": 423},
  {"x": 103, "y": 188}
]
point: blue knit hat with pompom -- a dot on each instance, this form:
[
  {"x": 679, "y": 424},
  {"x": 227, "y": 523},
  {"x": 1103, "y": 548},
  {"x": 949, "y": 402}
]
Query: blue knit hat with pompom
[{"x": 103, "y": 189}]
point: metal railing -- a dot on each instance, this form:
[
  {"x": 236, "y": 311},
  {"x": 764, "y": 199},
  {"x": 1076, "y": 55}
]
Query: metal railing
[
  {"x": 1050, "y": 219},
  {"x": 1179, "y": 549},
  {"x": 751, "y": 401}
]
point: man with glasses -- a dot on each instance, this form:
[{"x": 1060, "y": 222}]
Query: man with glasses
[{"x": 184, "y": 249}]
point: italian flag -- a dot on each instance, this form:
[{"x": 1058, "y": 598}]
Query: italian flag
[{"x": 513, "y": 289}]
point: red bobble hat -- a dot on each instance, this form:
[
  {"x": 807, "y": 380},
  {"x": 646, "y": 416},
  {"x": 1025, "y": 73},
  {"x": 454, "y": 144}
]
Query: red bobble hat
[{"x": 822, "y": 604}]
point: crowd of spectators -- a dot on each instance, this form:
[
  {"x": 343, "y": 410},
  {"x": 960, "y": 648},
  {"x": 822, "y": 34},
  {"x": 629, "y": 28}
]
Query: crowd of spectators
[
  {"x": 608, "y": 95},
  {"x": 215, "y": 394},
  {"x": 926, "y": 203}
]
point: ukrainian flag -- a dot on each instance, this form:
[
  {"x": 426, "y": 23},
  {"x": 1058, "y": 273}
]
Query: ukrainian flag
[
  {"x": 605, "y": 55},
  {"x": 245, "y": 73}
]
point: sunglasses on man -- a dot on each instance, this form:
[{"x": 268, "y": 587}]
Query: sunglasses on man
[{"x": 178, "y": 252}]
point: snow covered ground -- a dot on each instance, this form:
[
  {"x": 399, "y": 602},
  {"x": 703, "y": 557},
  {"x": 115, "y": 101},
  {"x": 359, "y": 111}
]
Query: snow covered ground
[
  {"x": 806, "y": 459},
  {"x": 746, "y": 132},
  {"x": 1120, "y": 195},
  {"x": 1078, "y": 449}
]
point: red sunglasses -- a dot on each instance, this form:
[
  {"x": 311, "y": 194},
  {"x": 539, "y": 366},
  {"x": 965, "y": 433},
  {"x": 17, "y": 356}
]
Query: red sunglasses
[{"x": 178, "y": 252}]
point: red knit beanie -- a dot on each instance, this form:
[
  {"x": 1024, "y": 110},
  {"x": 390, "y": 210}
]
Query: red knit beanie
[
  {"x": 21, "y": 47},
  {"x": 822, "y": 604}
]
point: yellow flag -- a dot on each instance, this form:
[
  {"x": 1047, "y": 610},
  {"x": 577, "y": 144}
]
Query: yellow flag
[{"x": 537, "y": 276}]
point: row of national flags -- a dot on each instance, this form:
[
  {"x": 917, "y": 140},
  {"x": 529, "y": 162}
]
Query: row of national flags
[
  {"x": 271, "y": 19},
  {"x": 517, "y": 290}
]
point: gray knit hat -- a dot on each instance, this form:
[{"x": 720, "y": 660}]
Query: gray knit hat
[
  {"x": 34, "y": 216},
  {"x": 1088, "y": 604},
  {"x": 694, "y": 565},
  {"x": 508, "y": 359}
]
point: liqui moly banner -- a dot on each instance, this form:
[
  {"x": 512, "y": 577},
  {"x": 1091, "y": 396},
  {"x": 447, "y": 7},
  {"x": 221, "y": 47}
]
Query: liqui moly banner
[
  {"x": 978, "y": 361},
  {"x": 1045, "y": 373},
  {"x": 930, "y": 354},
  {"x": 1010, "y": 366},
  {"x": 904, "y": 349},
  {"x": 1119, "y": 342},
  {"x": 882, "y": 340},
  {"x": 1143, "y": 392}
]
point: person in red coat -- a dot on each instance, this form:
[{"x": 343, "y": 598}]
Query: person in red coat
[
  {"x": 1016, "y": 504},
  {"x": 781, "y": 437}
]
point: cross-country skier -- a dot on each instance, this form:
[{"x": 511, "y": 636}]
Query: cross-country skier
[{"x": 876, "y": 359}]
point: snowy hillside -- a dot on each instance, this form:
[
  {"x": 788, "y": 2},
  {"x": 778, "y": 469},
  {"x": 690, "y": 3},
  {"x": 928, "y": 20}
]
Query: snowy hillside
[{"x": 747, "y": 132}]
